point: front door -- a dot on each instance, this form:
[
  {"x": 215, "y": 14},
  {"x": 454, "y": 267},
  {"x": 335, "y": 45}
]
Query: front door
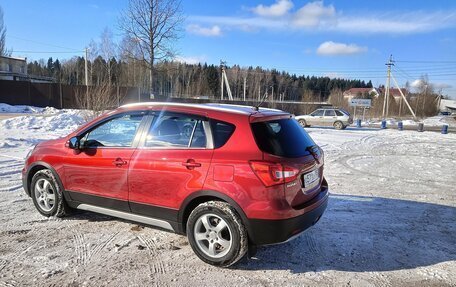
[
  {"x": 171, "y": 162},
  {"x": 97, "y": 173}
]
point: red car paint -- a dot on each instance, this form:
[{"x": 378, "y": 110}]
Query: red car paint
[{"x": 169, "y": 179}]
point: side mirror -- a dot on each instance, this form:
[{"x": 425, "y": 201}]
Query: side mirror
[{"x": 74, "y": 143}]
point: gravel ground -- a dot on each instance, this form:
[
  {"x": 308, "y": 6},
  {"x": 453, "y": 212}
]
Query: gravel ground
[{"x": 391, "y": 221}]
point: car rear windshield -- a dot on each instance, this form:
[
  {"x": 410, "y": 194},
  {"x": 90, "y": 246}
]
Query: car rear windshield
[{"x": 282, "y": 137}]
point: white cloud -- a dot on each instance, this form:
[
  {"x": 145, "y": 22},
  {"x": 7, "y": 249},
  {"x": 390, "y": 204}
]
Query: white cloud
[
  {"x": 318, "y": 16},
  {"x": 397, "y": 23},
  {"x": 213, "y": 31},
  {"x": 442, "y": 86},
  {"x": 280, "y": 8},
  {"x": 313, "y": 14},
  {"x": 331, "y": 48},
  {"x": 190, "y": 59},
  {"x": 417, "y": 83},
  {"x": 420, "y": 84}
]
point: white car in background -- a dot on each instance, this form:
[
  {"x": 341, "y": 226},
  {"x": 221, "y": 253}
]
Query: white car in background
[{"x": 338, "y": 118}]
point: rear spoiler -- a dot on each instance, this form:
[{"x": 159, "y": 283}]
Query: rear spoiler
[{"x": 260, "y": 117}]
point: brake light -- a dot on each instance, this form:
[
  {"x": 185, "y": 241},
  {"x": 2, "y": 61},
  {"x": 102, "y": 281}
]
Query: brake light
[{"x": 273, "y": 173}]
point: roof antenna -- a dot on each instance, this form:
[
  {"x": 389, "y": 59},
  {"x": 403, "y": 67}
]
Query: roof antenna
[{"x": 257, "y": 107}]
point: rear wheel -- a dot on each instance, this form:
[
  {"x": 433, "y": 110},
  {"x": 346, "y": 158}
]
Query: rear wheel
[
  {"x": 216, "y": 233},
  {"x": 47, "y": 195},
  {"x": 338, "y": 125}
]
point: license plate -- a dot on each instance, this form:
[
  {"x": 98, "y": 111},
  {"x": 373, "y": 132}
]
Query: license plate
[{"x": 310, "y": 178}]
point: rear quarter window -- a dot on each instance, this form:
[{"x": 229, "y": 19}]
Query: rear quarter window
[
  {"x": 283, "y": 137},
  {"x": 221, "y": 132}
]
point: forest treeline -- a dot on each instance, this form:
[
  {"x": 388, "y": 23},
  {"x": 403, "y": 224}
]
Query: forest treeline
[{"x": 177, "y": 79}]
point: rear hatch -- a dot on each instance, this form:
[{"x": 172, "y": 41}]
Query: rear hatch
[{"x": 290, "y": 158}]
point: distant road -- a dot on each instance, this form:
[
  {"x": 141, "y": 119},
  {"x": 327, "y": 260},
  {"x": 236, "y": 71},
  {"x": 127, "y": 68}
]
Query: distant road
[{"x": 392, "y": 127}]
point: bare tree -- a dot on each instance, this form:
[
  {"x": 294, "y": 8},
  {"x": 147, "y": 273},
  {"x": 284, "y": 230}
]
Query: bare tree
[
  {"x": 3, "y": 50},
  {"x": 153, "y": 25},
  {"x": 107, "y": 49},
  {"x": 97, "y": 99}
]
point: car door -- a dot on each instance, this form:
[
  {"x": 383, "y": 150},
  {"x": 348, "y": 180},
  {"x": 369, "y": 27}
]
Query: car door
[
  {"x": 329, "y": 118},
  {"x": 97, "y": 172},
  {"x": 316, "y": 118},
  {"x": 171, "y": 161}
]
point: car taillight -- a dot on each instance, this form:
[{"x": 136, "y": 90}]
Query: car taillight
[{"x": 273, "y": 173}]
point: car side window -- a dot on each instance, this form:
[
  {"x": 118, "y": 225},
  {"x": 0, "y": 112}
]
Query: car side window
[
  {"x": 176, "y": 131},
  {"x": 339, "y": 113},
  {"x": 117, "y": 132},
  {"x": 330, "y": 113},
  {"x": 318, "y": 113}
]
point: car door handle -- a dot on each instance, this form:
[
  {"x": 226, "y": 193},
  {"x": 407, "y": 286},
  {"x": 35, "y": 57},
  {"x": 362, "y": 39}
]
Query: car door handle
[
  {"x": 119, "y": 162},
  {"x": 191, "y": 164}
]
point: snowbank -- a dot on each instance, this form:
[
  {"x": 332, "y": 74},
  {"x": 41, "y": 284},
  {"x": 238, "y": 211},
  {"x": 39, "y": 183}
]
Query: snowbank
[
  {"x": 63, "y": 120},
  {"x": 5, "y": 108},
  {"x": 436, "y": 121}
]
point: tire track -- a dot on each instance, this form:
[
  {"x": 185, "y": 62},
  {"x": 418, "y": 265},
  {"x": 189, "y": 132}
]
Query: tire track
[
  {"x": 157, "y": 265},
  {"x": 10, "y": 283},
  {"x": 85, "y": 254},
  {"x": 93, "y": 254},
  {"x": 80, "y": 248}
]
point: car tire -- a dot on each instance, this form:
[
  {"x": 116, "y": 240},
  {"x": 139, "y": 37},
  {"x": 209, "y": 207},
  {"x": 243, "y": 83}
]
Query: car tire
[
  {"x": 216, "y": 233},
  {"x": 302, "y": 123},
  {"x": 338, "y": 125},
  {"x": 47, "y": 194}
]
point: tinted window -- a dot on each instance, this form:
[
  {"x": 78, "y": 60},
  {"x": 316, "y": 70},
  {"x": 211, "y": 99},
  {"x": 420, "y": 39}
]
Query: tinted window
[
  {"x": 117, "y": 132},
  {"x": 284, "y": 137},
  {"x": 330, "y": 113},
  {"x": 176, "y": 131},
  {"x": 221, "y": 132},
  {"x": 339, "y": 114},
  {"x": 317, "y": 113}
]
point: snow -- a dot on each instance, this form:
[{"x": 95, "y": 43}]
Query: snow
[
  {"x": 391, "y": 220},
  {"x": 436, "y": 121}
]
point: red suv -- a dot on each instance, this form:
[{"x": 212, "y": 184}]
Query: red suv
[{"x": 229, "y": 177}]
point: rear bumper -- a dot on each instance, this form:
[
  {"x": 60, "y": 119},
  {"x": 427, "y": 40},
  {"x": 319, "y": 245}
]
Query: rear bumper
[{"x": 265, "y": 232}]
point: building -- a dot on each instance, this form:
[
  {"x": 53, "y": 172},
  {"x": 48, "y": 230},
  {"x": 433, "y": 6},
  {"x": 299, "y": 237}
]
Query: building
[
  {"x": 357, "y": 92},
  {"x": 447, "y": 106},
  {"x": 395, "y": 93},
  {"x": 15, "y": 69}
]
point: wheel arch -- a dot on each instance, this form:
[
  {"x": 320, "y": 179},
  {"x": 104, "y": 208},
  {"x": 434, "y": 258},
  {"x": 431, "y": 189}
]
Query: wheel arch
[
  {"x": 199, "y": 197},
  {"x": 33, "y": 169}
]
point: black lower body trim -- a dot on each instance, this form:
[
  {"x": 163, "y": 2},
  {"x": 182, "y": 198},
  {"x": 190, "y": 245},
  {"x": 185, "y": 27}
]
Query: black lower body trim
[
  {"x": 156, "y": 212},
  {"x": 266, "y": 232}
]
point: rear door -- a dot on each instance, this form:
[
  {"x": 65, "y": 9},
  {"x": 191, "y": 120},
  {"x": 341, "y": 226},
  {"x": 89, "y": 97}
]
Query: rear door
[
  {"x": 284, "y": 141},
  {"x": 171, "y": 161},
  {"x": 330, "y": 117}
]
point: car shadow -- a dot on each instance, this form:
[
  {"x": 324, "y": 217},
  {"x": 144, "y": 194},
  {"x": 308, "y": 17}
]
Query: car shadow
[{"x": 361, "y": 233}]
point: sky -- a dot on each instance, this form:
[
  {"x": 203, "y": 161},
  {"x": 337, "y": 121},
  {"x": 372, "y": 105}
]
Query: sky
[{"x": 348, "y": 39}]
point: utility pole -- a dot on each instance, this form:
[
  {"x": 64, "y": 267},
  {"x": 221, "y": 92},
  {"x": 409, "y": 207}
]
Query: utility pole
[
  {"x": 245, "y": 84},
  {"x": 87, "y": 77},
  {"x": 387, "y": 91},
  {"x": 225, "y": 81},
  {"x": 86, "y": 67},
  {"x": 272, "y": 93},
  {"x": 221, "y": 82}
]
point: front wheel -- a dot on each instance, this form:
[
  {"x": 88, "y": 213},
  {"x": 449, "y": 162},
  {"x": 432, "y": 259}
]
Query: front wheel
[
  {"x": 303, "y": 123},
  {"x": 47, "y": 195},
  {"x": 338, "y": 125},
  {"x": 216, "y": 233}
]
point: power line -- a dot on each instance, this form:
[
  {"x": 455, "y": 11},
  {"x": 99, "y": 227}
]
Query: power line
[
  {"x": 45, "y": 44},
  {"x": 46, "y": 52}
]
